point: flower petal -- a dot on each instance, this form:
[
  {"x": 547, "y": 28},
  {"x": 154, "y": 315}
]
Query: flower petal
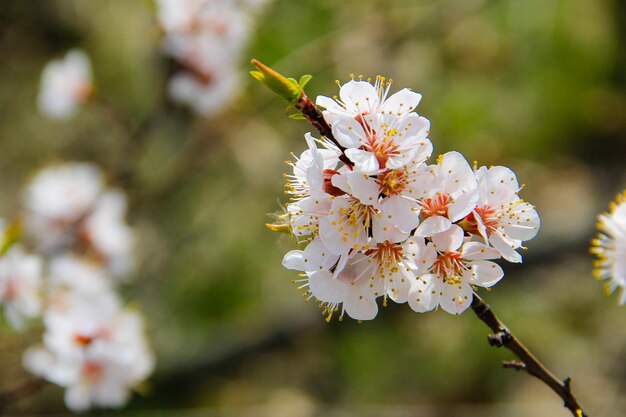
[
  {"x": 359, "y": 96},
  {"x": 402, "y": 102},
  {"x": 473, "y": 251},
  {"x": 456, "y": 298},
  {"x": 506, "y": 247},
  {"x": 294, "y": 260},
  {"x": 402, "y": 211},
  {"x": 425, "y": 293},
  {"x": 433, "y": 225},
  {"x": 364, "y": 161},
  {"x": 449, "y": 240},
  {"x": 485, "y": 273},
  {"x": 326, "y": 288}
]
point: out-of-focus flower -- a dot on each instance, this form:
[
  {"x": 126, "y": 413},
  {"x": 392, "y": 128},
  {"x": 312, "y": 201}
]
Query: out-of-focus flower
[
  {"x": 97, "y": 355},
  {"x": 610, "y": 248},
  {"x": 20, "y": 286},
  {"x": 105, "y": 230},
  {"x": 378, "y": 222},
  {"x": 68, "y": 206},
  {"x": 206, "y": 37},
  {"x": 205, "y": 93},
  {"x": 58, "y": 199},
  {"x": 65, "y": 84}
]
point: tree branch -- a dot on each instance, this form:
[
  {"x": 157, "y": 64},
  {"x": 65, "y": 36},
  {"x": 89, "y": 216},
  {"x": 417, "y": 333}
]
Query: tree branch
[
  {"x": 502, "y": 337},
  {"x": 19, "y": 391},
  {"x": 310, "y": 111}
]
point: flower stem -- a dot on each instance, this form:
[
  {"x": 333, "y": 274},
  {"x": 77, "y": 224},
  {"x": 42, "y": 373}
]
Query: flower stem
[{"x": 502, "y": 337}]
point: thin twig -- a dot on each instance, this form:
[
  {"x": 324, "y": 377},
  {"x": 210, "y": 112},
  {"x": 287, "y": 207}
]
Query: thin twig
[
  {"x": 310, "y": 111},
  {"x": 502, "y": 337}
]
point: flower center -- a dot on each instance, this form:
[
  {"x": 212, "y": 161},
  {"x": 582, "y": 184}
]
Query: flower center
[
  {"x": 435, "y": 206},
  {"x": 449, "y": 266},
  {"x": 488, "y": 217},
  {"x": 387, "y": 254},
  {"x": 391, "y": 182}
]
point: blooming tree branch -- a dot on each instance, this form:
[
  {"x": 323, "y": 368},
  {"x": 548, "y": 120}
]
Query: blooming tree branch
[
  {"x": 503, "y": 337},
  {"x": 387, "y": 225}
]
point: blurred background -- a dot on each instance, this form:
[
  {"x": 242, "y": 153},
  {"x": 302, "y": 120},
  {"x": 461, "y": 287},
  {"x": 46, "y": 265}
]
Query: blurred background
[{"x": 539, "y": 86}]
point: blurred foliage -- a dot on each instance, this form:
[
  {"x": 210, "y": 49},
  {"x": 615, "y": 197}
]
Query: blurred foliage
[{"x": 536, "y": 85}]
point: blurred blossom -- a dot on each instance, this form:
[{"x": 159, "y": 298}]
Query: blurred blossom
[
  {"x": 79, "y": 277},
  {"x": 610, "y": 248},
  {"x": 65, "y": 84},
  {"x": 58, "y": 198},
  {"x": 385, "y": 224},
  {"x": 20, "y": 286},
  {"x": 97, "y": 354},
  {"x": 106, "y": 231},
  {"x": 206, "y": 37},
  {"x": 69, "y": 206}
]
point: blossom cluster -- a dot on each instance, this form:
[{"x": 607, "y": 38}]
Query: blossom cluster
[
  {"x": 66, "y": 83},
  {"x": 206, "y": 38},
  {"x": 610, "y": 248},
  {"x": 93, "y": 345},
  {"x": 379, "y": 221}
]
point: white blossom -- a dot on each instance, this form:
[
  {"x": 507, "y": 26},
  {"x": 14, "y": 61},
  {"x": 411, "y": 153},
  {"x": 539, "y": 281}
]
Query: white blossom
[
  {"x": 207, "y": 38},
  {"x": 447, "y": 193},
  {"x": 610, "y": 248},
  {"x": 381, "y": 224},
  {"x": 502, "y": 218},
  {"x": 449, "y": 269},
  {"x": 97, "y": 355},
  {"x": 58, "y": 198},
  {"x": 20, "y": 286},
  {"x": 65, "y": 84},
  {"x": 359, "y": 97}
]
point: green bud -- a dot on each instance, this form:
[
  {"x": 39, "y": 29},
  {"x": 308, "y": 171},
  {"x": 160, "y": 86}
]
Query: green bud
[{"x": 287, "y": 88}]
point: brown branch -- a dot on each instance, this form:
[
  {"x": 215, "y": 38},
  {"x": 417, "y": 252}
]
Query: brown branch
[
  {"x": 19, "y": 391},
  {"x": 310, "y": 111},
  {"x": 502, "y": 337}
]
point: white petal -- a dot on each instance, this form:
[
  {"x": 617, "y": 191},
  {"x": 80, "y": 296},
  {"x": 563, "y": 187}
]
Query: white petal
[
  {"x": 401, "y": 211},
  {"x": 360, "y": 96},
  {"x": 456, "y": 298},
  {"x": 329, "y": 104},
  {"x": 485, "y": 273},
  {"x": 294, "y": 260},
  {"x": 433, "y": 225},
  {"x": 457, "y": 174},
  {"x": 363, "y": 187},
  {"x": 449, "y": 240},
  {"x": 348, "y": 132},
  {"x": 361, "y": 308},
  {"x": 462, "y": 205},
  {"x": 506, "y": 247},
  {"x": 400, "y": 285},
  {"x": 402, "y": 102},
  {"x": 424, "y": 294},
  {"x": 326, "y": 288},
  {"x": 318, "y": 257},
  {"x": 384, "y": 230},
  {"x": 473, "y": 251},
  {"x": 364, "y": 161}
]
